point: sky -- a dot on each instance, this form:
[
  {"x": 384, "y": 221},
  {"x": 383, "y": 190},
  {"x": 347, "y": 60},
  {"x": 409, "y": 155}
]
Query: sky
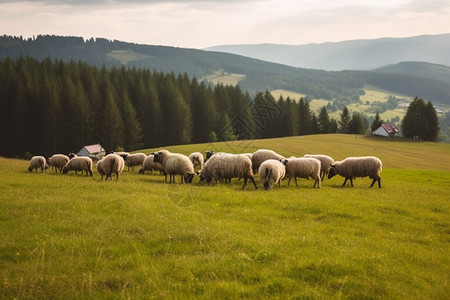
[{"x": 202, "y": 23}]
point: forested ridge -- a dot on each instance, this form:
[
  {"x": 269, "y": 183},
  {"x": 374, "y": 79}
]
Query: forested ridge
[
  {"x": 51, "y": 107},
  {"x": 341, "y": 86}
]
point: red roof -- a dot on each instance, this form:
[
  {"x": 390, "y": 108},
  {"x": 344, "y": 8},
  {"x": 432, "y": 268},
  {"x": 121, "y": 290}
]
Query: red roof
[
  {"x": 390, "y": 128},
  {"x": 96, "y": 148}
]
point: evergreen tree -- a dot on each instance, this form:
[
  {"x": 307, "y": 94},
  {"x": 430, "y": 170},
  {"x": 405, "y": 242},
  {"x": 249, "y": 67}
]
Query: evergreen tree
[
  {"x": 304, "y": 117},
  {"x": 414, "y": 121},
  {"x": 377, "y": 122},
  {"x": 344, "y": 123},
  {"x": 431, "y": 118},
  {"x": 132, "y": 128},
  {"x": 315, "y": 127},
  {"x": 357, "y": 124},
  {"x": 323, "y": 121},
  {"x": 111, "y": 124}
]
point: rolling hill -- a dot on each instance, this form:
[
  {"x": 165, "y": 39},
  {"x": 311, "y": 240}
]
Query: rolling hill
[
  {"x": 251, "y": 74},
  {"x": 350, "y": 55}
]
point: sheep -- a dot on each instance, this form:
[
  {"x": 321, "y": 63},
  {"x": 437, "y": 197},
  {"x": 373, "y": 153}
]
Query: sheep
[
  {"x": 150, "y": 165},
  {"x": 352, "y": 167},
  {"x": 196, "y": 159},
  {"x": 261, "y": 155},
  {"x": 270, "y": 172},
  {"x": 224, "y": 166},
  {"x": 38, "y": 162},
  {"x": 58, "y": 161},
  {"x": 79, "y": 163},
  {"x": 132, "y": 160},
  {"x": 325, "y": 163},
  {"x": 175, "y": 164},
  {"x": 111, "y": 163},
  {"x": 303, "y": 167},
  {"x": 209, "y": 153}
]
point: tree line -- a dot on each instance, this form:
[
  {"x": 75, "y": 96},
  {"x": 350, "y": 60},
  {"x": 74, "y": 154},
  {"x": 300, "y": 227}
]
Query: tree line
[{"x": 51, "y": 107}]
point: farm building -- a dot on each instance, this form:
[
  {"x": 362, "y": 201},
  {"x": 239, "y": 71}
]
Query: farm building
[
  {"x": 92, "y": 150},
  {"x": 387, "y": 130}
]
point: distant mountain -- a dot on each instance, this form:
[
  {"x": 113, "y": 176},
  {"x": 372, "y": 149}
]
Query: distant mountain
[
  {"x": 419, "y": 69},
  {"x": 253, "y": 74},
  {"x": 350, "y": 55}
]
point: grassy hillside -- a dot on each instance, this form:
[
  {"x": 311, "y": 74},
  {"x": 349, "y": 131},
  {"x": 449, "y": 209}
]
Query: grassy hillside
[{"x": 71, "y": 236}]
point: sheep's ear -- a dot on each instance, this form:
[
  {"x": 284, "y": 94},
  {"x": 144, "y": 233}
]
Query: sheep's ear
[{"x": 332, "y": 165}]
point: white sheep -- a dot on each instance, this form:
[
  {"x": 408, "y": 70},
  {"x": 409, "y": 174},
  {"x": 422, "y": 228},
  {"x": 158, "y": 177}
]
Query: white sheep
[
  {"x": 150, "y": 165},
  {"x": 110, "y": 164},
  {"x": 58, "y": 161},
  {"x": 175, "y": 164},
  {"x": 79, "y": 163},
  {"x": 132, "y": 160},
  {"x": 196, "y": 159},
  {"x": 303, "y": 167},
  {"x": 352, "y": 167},
  {"x": 262, "y": 155},
  {"x": 38, "y": 162},
  {"x": 325, "y": 163},
  {"x": 224, "y": 166},
  {"x": 270, "y": 172}
]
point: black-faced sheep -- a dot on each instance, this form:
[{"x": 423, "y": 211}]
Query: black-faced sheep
[
  {"x": 110, "y": 164},
  {"x": 79, "y": 163},
  {"x": 150, "y": 165},
  {"x": 196, "y": 159},
  {"x": 224, "y": 166},
  {"x": 262, "y": 155},
  {"x": 303, "y": 167},
  {"x": 175, "y": 164},
  {"x": 58, "y": 161},
  {"x": 132, "y": 160},
  {"x": 37, "y": 162},
  {"x": 325, "y": 163},
  {"x": 270, "y": 172},
  {"x": 352, "y": 167}
]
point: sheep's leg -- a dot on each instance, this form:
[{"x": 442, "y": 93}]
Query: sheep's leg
[
  {"x": 245, "y": 183},
  {"x": 345, "y": 181},
  {"x": 279, "y": 183},
  {"x": 254, "y": 183},
  {"x": 289, "y": 181},
  {"x": 182, "y": 179},
  {"x": 379, "y": 182},
  {"x": 296, "y": 183},
  {"x": 351, "y": 181}
]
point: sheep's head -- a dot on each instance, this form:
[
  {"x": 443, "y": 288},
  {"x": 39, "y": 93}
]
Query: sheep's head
[
  {"x": 284, "y": 161},
  {"x": 30, "y": 169},
  {"x": 65, "y": 170},
  {"x": 157, "y": 157},
  {"x": 332, "y": 172},
  {"x": 188, "y": 178},
  {"x": 209, "y": 153}
]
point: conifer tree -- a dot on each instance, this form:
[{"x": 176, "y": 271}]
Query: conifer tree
[
  {"x": 377, "y": 122},
  {"x": 344, "y": 123},
  {"x": 304, "y": 117},
  {"x": 323, "y": 121}
]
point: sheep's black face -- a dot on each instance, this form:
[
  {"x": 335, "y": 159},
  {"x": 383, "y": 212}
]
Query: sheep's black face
[
  {"x": 30, "y": 169},
  {"x": 266, "y": 185},
  {"x": 188, "y": 178},
  {"x": 65, "y": 170},
  {"x": 209, "y": 154},
  {"x": 332, "y": 172},
  {"x": 156, "y": 157}
]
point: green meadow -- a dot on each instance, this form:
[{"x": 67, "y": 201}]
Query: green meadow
[{"x": 73, "y": 237}]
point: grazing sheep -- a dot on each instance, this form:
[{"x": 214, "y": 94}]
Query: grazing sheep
[
  {"x": 38, "y": 162},
  {"x": 303, "y": 167},
  {"x": 352, "y": 167},
  {"x": 209, "y": 153},
  {"x": 261, "y": 155},
  {"x": 175, "y": 164},
  {"x": 111, "y": 163},
  {"x": 72, "y": 155},
  {"x": 79, "y": 163},
  {"x": 150, "y": 165},
  {"x": 270, "y": 172},
  {"x": 196, "y": 159},
  {"x": 325, "y": 163},
  {"x": 58, "y": 161},
  {"x": 132, "y": 160},
  {"x": 224, "y": 166}
]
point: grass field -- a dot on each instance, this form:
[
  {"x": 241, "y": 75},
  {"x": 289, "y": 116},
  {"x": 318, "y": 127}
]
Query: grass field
[{"x": 71, "y": 236}]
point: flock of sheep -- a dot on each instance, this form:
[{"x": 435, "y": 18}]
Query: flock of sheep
[{"x": 221, "y": 167}]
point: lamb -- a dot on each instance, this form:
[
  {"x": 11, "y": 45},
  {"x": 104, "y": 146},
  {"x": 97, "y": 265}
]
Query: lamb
[
  {"x": 271, "y": 171},
  {"x": 58, "y": 161},
  {"x": 224, "y": 166},
  {"x": 150, "y": 165},
  {"x": 325, "y": 163},
  {"x": 175, "y": 164},
  {"x": 38, "y": 162},
  {"x": 262, "y": 155},
  {"x": 111, "y": 163},
  {"x": 196, "y": 159},
  {"x": 132, "y": 160},
  {"x": 303, "y": 167},
  {"x": 352, "y": 167},
  {"x": 79, "y": 163}
]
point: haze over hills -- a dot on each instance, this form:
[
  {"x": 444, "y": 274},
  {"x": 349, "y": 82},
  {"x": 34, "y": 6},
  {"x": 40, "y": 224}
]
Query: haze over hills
[{"x": 350, "y": 55}]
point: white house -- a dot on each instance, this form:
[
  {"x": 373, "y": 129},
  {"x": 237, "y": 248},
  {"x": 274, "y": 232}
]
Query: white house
[
  {"x": 386, "y": 129},
  {"x": 92, "y": 150}
]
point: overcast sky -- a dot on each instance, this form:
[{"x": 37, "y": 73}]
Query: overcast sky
[{"x": 203, "y": 23}]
